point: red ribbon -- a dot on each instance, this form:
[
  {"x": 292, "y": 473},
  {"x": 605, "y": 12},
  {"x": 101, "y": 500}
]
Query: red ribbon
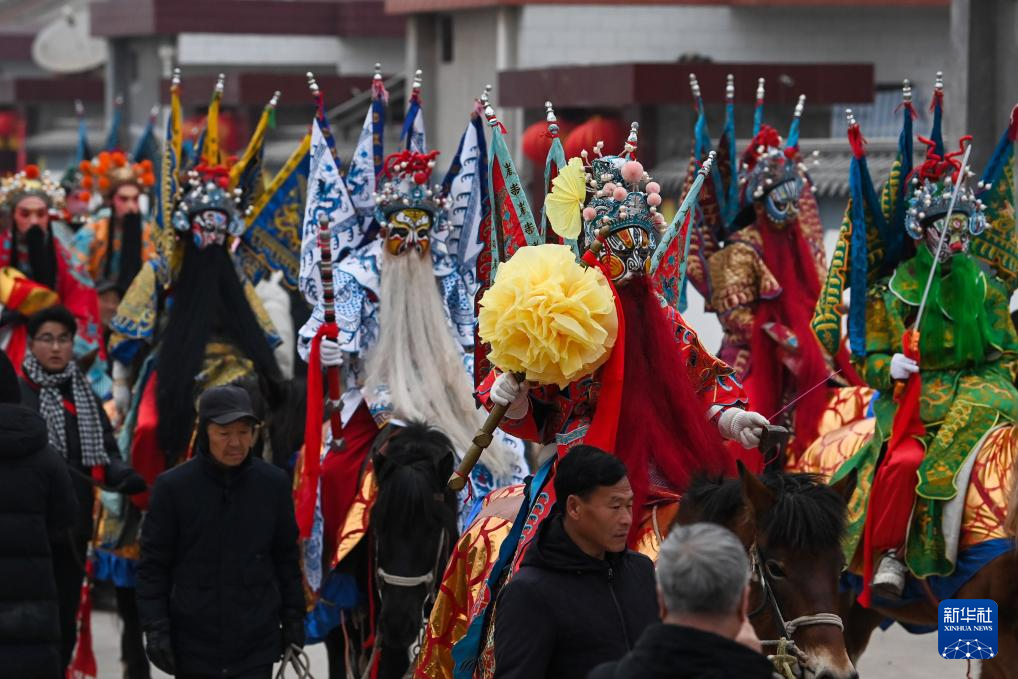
[
  {"x": 605, "y": 425},
  {"x": 306, "y": 492}
]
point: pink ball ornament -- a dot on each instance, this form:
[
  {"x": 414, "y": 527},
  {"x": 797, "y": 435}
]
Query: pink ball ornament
[
  {"x": 653, "y": 187},
  {"x": 609, "y": 188},
  {"x": 619, "y": 193},
  {"x": 632, "y": 171},
  {"x": 653, "y": 199},
  {"x": 588, "y": 214}
]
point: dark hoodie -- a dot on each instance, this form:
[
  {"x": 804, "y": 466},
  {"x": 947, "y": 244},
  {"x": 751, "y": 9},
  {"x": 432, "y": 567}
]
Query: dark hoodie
[
  {"x": 675, "y": 652},
  {"x": 564, "y": 612},
  {"x": 219, "y": 564},
  {"x": 36, "y": 501}
]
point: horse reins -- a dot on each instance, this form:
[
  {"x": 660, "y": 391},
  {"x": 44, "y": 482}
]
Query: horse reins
[{"x": 788, "y": 628}]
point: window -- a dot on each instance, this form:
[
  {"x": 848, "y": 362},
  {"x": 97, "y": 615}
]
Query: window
[{"x": 446, "y": 37}]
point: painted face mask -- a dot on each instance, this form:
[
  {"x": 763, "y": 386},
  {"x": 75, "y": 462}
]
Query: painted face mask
[
  {"x": 782, "y": 202},
  {"x": 407, "y": 230},
  {"x": 626, "y": 254},
  {"x": 958, "y": 235},
  {"x": 208, "y": 227}
]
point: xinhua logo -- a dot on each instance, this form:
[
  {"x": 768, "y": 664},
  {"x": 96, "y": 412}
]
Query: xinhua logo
[{"x": 967, "y": 629}]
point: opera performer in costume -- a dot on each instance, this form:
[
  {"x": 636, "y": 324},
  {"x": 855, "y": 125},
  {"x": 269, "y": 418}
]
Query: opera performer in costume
[
  {"x": 39, "y": 269},
  {"x": 117, "y": 239},
  {"x": 676, "y": 402}
]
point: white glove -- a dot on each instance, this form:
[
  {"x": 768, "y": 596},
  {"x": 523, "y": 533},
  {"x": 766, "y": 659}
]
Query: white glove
[
  {"x": 331, "y": 353},
  {"x": 902, "y": 367},
  {"x": 743, "y": 426},
  {"x": 121, "y": 387},
  {"x": 505, "y": 390}
]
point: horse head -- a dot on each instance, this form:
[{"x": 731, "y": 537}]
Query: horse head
[
  {"x": 791, "y": 525},
  {"x": 413, "y": 526}
]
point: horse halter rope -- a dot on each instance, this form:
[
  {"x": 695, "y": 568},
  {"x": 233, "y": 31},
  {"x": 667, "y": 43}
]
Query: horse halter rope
[{"x": 785, "y": 643}]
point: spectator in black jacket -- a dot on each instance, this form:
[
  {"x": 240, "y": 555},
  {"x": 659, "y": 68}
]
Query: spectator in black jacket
[
  {"x": 36, "y": 502},
  {"x": 703, "y": 583},
  {"x": 79, "y": 430},
  {"x": 219, "y": 584},
  {"x": 580, "y": 597}
]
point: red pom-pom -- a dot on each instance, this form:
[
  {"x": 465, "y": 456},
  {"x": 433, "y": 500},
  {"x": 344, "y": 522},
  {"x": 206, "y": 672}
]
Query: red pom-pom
[
  {"x": 146, "y": 165},
  {"x": 148, "y": 179},
  {"x": 32, "y": 171},
  {"x": 85, "y": 167},
  {"x": 104, "y": 184},
  {"x": 421, "y": 178},
  {"x": 118, "y": 158},
  {"x": 223, "y": 182},
  {"x": 86, "y": 181}
]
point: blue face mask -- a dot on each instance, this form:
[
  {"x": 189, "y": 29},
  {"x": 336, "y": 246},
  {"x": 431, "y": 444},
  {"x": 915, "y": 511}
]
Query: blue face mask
[{"x": 782, "y": 202}]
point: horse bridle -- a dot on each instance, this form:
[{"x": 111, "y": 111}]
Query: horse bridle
[
  {"x": 413, "y": 581},
  {"x": 787, "y": 629}
]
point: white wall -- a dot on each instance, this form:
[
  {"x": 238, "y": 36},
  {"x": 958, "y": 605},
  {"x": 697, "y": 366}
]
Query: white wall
[
  {"x": 348, "y": 55},
  {"x": 900, "y": 41}
]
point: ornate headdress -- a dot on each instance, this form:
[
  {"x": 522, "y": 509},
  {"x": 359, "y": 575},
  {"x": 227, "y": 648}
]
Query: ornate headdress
[
  {"x": 622, "y": 199},
  {"x": 771, "y": 171},
  {"x": 207, "y": 208},
  {"x": 934, "y": 182},
  {"x": 110, "y": 170},
  {"x": 31, "y": 182},
  {"x": 405, "y": 206}
]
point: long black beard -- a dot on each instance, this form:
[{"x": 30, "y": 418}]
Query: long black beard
[
  {"x": 130, "y": 250},
  {"x": 207, "y": 297},
  {"x": 41, "y": 266}
]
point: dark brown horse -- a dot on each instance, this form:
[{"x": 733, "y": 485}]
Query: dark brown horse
[
  {"x": 791, "y": 525},
  {"x": 413, "y": 529}
]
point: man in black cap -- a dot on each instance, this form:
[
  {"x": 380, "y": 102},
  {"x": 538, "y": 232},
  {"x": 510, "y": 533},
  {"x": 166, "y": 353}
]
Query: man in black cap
[{"x": 221, "y": 536}]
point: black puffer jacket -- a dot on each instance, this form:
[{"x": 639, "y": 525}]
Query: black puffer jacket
[
  {"x": 675, "y": 652},
  {"x": 219, "y": 564},
  {"x": 84, "y": 488},
  {"x": 564, "y": 612},
  {"x": 36, "y": 501}
]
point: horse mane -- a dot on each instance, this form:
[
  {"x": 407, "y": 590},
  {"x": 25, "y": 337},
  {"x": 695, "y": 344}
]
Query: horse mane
[
  {"x": 416, "y": 462},
  {"x": 807, "y": 513}
]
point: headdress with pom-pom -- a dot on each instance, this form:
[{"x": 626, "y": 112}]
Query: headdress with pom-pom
[
  {"x": 31, "y": 182},
  {"x": 620, "y": 193},
  {"x": 933, "y": 183},
  {"x": 204, "y": 188},
  {"x": 405, "y": 176},
  {"x": 110, "y": 170}
]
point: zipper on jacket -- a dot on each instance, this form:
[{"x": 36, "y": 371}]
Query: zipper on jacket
[{"x": 618, "y": 609}]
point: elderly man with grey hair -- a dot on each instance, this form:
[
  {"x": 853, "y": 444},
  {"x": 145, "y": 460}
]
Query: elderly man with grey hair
[{"x": 703, "y": 590}]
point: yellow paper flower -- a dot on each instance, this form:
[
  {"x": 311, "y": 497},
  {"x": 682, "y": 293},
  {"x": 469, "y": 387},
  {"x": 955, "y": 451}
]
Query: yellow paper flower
[
  {"x": 547, "y": 316},
  {"x": 565, "y": 202}
]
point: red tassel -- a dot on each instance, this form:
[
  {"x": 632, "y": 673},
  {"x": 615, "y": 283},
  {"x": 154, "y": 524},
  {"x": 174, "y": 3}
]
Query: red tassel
[
  {"x": 309, "y": 470},
  {"x": 83, "y": 664},
  {"x": 856, "y": 141}
]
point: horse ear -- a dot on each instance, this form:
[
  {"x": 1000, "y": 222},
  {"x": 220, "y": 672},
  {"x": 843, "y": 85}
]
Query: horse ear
[
  {"x": 845, "y": 486},
  {"x": 756, "y": 495}
]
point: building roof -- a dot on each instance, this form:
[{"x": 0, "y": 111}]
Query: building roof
[
  {"x": 828, "y": 171},
  {"x": 415, "y": 6}
]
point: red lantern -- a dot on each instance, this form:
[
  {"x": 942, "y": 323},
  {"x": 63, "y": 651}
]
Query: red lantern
[
  {"x": 583, "y": 137},
  {"x": 536, "y": 141}
]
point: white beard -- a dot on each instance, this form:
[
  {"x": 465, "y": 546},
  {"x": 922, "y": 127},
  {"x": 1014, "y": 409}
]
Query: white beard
[{"x": 421, "y": 363}]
